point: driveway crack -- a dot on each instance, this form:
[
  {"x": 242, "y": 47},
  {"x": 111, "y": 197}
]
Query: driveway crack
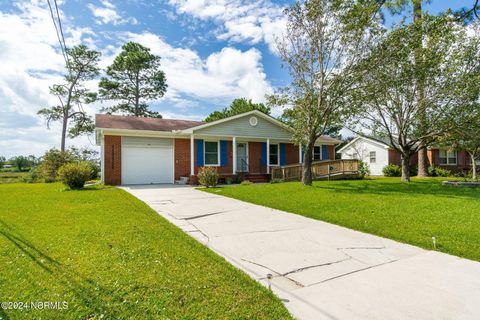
[
  {"x": 206, "y": 215},
  {"x": 351, "y": 272},
  {"x": 316, "y": 266}
]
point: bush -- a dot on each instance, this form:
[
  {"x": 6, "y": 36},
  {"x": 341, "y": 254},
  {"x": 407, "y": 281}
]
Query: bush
[
  {"x": 413, "y": 171},
  {"x": 392, "y": 170},
  {"x": 51, "y": 163},
  {"x": 208, "y": 176},
  {"x": 32, "y": 176},
  {"x": 363, "y": 169},
  {"x": 434, "y": 171},
  {"x": 74, "y": 175},
  {"x": 276, "y": 181},
  {"x": 246, "y": 183}
]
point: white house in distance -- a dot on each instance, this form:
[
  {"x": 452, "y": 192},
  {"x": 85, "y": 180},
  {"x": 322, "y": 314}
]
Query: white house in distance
[{"x": 376, "y": 152}]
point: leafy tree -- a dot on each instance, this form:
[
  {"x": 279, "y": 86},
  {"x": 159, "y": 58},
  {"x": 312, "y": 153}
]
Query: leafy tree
[
  {"x": 82, "y": 66},
  {"x": 387, "y": 97},
  {"x": 2, "y": 161},
  {"x": 133, "y": 77},
  {"x": 323, "y": 42},
  {"x": 236, "y": 107},
  {"x": 21, "y": 162}
]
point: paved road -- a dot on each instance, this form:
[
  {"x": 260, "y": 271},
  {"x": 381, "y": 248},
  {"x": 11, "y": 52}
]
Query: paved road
[{"x": 323, "y": 271}]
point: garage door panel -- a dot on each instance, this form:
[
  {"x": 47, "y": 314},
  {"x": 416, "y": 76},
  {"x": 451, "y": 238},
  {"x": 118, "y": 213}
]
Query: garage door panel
[{"x": 147, "y": 164}]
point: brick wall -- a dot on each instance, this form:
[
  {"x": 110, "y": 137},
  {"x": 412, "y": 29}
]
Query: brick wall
[
  {"x": 394, "y": 157},
  {"x": 222, "y": 170},
  {"x": 182, "y": 158},
  {"x": 113, "y": 160}
]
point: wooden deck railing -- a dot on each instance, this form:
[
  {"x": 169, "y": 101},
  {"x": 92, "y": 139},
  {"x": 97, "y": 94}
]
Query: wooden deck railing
[{"x": 320, "y": 170}]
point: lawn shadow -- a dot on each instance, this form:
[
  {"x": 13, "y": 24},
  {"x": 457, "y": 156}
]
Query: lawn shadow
[
  {"x": 414, "y": 188},
  {"x": 89, "y": 292}
]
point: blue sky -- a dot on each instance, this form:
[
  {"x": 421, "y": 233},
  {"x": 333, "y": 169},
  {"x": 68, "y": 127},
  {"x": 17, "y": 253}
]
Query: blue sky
[{"x": 212, "y": 52}]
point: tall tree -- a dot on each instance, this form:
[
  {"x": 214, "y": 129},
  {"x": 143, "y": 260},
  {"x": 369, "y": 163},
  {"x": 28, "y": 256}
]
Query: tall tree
[
  {"x": 133, "y": 78},
  {"x": 388, "y": 100},
  {"x": 237, "y": 106},
  {"x": 323, "y": 41},
  {"x": 81, "y": 66}
]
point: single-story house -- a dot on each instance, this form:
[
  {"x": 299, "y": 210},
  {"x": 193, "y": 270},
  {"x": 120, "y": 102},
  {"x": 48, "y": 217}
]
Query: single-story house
[
  {"x": 377, "y": 153},
  {"x": 136, "y": 150}
]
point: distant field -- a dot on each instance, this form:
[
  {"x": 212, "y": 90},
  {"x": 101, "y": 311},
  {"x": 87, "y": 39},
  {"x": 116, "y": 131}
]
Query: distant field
[{"x": 11, "y": 177}]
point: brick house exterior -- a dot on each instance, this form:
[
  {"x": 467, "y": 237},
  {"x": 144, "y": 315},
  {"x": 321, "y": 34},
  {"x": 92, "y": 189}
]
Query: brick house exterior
[{"x": 147, "y": 150}]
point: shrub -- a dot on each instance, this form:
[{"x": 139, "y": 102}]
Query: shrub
[
  {"x": 276, "y": 181},
  {"x": 51, "y": 163},
  {"x": 363, "y": 169},
  {"x": 392, "y": 170},
  {"x": 74, "y": 175},
  {"x": 413, "y": 171},
  {"x": 246, "y": 183},
  {"x": 32, "y": 176},
  {"x": 438, "y": 172},
  {"x": 208, "y": 176}
]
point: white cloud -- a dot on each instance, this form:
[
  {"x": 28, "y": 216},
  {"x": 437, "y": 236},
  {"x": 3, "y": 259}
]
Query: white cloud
[
  {"x": 107, "y": 13},
  {"x": 229, "y": 73},
  {"x": 31, "y": 62},
  {"x": 247, "y": 21}
]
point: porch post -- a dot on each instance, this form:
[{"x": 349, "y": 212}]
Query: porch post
[
  {"x": 300, "y": 153},
  {"x": 192, "y": 157},
  {"x": 268, "y": 155},
  {"x": 234, "y": 155}
]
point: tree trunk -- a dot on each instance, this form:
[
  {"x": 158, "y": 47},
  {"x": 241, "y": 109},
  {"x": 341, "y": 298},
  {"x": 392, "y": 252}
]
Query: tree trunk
[
  {"x": 422, "y": 152},
  {"x": 307, "y": 165},
  {"x": 422, "y": 162},
  {"x": 405, "y": 168},
  {"x": 474, "y": 167},
  {"x": 64, "y": 132}
]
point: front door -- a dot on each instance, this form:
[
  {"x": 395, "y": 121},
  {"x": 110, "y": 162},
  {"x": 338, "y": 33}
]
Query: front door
[{"x": 242, "y": 157}]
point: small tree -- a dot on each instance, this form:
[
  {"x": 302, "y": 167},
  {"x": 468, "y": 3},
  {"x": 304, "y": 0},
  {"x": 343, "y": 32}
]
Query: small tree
[
  {"x": 82, "y": 66},
  {"x": 21, "y": 162},
  {"x": 323, "y": 42},
  {"x": 236, "y": 107},
  {"x": 133, "y": 77},
  {"x": 2, "y": 161},
  {"x": 387, "y": 99}
]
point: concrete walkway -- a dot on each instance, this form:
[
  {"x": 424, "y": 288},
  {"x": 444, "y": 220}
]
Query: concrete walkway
[{"x": 323, "y": 271}]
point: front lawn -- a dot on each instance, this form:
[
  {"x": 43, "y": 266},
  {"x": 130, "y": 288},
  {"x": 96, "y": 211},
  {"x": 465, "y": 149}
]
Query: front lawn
[
  {"x": 412, "y": 213},
  {"x": 11, "y": 176},
  {"x": 109, "y": 256}
]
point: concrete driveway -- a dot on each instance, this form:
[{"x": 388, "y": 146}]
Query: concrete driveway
[{"x": 323, "y": 271}]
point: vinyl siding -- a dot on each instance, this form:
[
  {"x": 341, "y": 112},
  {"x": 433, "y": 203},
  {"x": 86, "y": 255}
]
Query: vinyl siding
[
  {"x": 241, "y": 128},
  {"x": 363, "y": 148}
]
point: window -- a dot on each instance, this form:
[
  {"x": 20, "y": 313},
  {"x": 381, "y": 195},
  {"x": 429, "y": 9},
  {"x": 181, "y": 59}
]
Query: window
[
  {"x": 274, "y": 154},
  {"x": 448, "y": 157},
  {"x": 211, "y": 153},
  {"x": 373, "y": 157},
  {"x": 317, "y": 153}
]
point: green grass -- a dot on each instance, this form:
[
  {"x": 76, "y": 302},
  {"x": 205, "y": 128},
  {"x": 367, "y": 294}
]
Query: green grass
[
  {"x": 11, "y": 176},
  {"x": 412, "y": 213},
  {"x": 109, "y": 256}
]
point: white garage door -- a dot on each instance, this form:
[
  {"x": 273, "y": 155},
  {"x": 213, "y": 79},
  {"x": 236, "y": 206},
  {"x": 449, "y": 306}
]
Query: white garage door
[{"x": 147, "y": 160}]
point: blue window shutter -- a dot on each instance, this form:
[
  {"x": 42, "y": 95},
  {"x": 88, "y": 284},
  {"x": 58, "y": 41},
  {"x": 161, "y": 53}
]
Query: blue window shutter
[
  {"x": 283, "y": 154},
  {"x": 324, "y": 152},
  {"x": 263, "y": 155},
  {"x": 200, "y": 155},
  {"x": 223, "y": 153}
]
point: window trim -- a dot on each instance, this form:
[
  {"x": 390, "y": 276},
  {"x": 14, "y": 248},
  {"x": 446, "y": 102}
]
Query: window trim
[
  {"x": 205, "y": 153},
  {"x": 374, "y": 156},
  {"x": 447, "y": 158},
  {"x": 270, "y": 154},
  {"x": 319, "y": 153}
]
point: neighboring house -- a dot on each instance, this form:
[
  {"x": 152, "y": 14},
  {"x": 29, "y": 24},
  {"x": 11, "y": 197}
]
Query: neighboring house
[
  {"x": 138, "y": 150},
  {"x": 7, "y": 166},
  {"x": 377, "y": 153}
]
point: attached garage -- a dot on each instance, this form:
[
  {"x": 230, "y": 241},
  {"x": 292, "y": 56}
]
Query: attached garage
[{"x": 147, "y": 160}]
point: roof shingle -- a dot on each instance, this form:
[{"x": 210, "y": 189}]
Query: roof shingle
[{"x": 140, "y": 123}]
